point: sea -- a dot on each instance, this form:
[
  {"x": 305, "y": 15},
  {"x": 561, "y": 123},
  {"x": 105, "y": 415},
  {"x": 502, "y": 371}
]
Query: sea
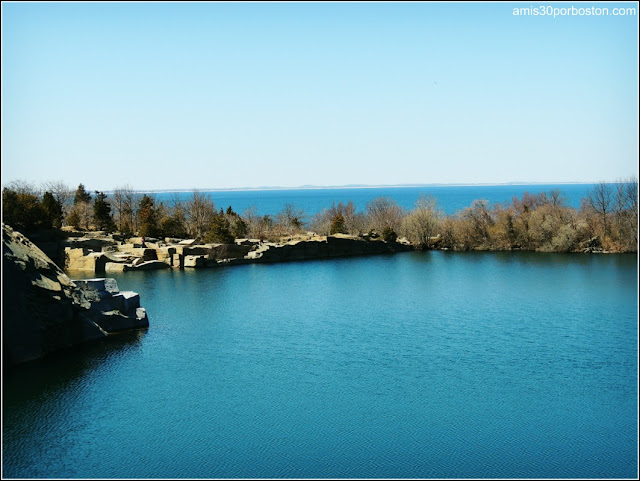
[
  {"x": 429, "y": 364},
  {"x": 449, "y": 198}
]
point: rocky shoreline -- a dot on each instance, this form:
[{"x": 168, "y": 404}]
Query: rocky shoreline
[
  {"x": 103, "y": 254},
  {"x": 45, "y": 311}
]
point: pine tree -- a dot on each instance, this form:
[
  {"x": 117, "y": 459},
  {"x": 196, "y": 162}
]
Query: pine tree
[
  {"x": 52, "y": 209},
  {"x": 147, "y": 217},
  {"x": 81, "y": 195},
  {"x": 219, "y": 230},
  {"x": 102, "y": 213},
  {"x": 337, "y": 225}
]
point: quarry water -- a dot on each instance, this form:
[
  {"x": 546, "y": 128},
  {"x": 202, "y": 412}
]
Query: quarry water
[{"x": 428, "y": 365}]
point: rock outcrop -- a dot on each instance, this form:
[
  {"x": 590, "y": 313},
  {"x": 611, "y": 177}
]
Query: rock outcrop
[
  {"x": 180, "y": 254},
  {"x": 324, "y": 247},
  {"x": 45, "y": 311}
]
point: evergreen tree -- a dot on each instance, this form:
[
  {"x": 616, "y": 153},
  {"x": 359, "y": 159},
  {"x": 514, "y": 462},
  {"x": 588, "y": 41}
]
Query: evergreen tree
[
  {"x": 81, "y": 195},
  {"x": 147, "y": 218},
  {"x": 337, "y": 225},
  {"x": 102, "y": 213},
  {"x": 219, "y": 230},
  {"x": 23, "y": 211},
  {"x": 389, "y": 235},
  {"x": 239, "y": 228},
  {"x": 52, "y": 209}
]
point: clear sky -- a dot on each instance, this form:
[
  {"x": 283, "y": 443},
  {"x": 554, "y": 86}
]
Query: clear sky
[{"x": 223, "y": 95}]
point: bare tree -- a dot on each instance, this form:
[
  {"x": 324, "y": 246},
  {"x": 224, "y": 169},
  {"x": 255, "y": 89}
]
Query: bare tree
[
  {"x": 290, "y": 218},
  {"x": 21, "y": 186},
  {"x": 479, "y": 220},
  {"x": 383, "y": 213},
  {"x": 632, "y": 201},
  {"x": 421, "y": 224},
  {"x": 62, "y": 193},
  {"x": 556, "y": 198},
  {"x": 631, "y": 184},
  {"x": 600, "y": 199},
  {"x": 125, "y": 207},
  {"x": 200, "y": 211},
  {"x": 250, "y": 216}
]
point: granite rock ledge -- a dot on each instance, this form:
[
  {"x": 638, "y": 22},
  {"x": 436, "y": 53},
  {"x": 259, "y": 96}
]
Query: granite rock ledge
[
  {"x": 140, "y": 254},
  {"x": 45, "y": 311}
]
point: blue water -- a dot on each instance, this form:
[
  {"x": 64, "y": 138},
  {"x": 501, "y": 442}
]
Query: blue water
[
  {"x": 311, "y": 201},
  {"x": 433, "y": 364}
]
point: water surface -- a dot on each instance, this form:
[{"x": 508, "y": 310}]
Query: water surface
[
  {"x": 431, "y": 364},
  {"x": 450, "y": 198}
]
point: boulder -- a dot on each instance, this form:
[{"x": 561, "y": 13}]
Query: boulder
[
  {"x": 78, "y": 259},
  {"x": 177, "y": 260},
  {"x": 45, "y": 311},
  {"x": 146, "y": 253},
  {"x": 147, "y": 265},
  {"x": 171, "y": 240},
  {"x": 195, "y": 261},
  {"x": 164, "y": 253},
  {"x": 113, "y": 267},
  {"x": 229, "y": 251},
  {"x": 247, "y": 242},
  {"x": 93, "y": 243},
  {"x": 126, "y": 301}
]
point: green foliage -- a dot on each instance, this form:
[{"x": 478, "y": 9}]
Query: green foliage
[
  {"x": 126, "y": 229},
  {"x": 219, "y": 231},
  {"x": 102, "y": 213},
  {"x": 52, "y": 209},
  {"x": 81, "y": 195},
  {"x": 239, "y": 229},
  {"x": 73, "y": 219},
  {"x": 147, "y": 218},
  {"x": 173, "y": 226},
  {"x": 23, "y": 211},
  {"x": 389, "y": 235},
  {"x": 337, "y": 225}
]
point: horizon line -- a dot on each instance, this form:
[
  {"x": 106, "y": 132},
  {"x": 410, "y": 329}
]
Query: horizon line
[{"x": 350, "y": 186}]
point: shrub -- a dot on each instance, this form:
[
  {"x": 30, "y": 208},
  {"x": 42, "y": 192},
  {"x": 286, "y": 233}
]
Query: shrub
[
  {"x": 337, "y": 225},
  {"x": 389, "y": 235}
]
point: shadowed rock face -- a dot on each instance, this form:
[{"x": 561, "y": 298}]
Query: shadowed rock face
[
  {"x": 44, "y": 310},
  {"x": 331, "y": 246}
]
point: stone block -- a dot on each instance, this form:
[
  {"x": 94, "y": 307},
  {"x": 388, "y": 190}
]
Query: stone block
[
  {"x": 194, "y": 261},
  {"x": 148, "y": 265},
  {"x": 99, "y": 284},
  {"x": 126, "y": 301},
  {"x": 114, "y": 267}
]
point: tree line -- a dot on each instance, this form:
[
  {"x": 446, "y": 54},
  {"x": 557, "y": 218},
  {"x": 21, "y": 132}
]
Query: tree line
[{"x": 607, "y": 217}]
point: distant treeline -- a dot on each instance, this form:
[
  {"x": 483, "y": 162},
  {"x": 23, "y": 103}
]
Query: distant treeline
[{"x": 607, "y": 218}]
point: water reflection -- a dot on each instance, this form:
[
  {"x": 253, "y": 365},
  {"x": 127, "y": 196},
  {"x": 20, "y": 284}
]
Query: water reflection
[
  {"x": 424, "y": 364},
  {"x": 61, "y": 369}
]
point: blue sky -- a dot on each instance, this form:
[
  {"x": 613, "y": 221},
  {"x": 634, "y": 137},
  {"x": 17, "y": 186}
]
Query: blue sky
[{"x": 223, "y": 95}]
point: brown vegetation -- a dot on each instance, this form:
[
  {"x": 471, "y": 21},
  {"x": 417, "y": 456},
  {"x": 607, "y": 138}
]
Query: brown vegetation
[{"x": 606, "y": 221}]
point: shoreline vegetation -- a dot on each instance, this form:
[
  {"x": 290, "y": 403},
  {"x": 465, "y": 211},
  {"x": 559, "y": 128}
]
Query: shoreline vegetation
[{"x": 607, "y": 221}]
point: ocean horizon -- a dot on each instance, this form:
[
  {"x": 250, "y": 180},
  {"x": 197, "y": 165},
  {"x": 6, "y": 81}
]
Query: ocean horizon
[
  {"x": 449, "y": 198},
  {"x": 349, "y": 186}
]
